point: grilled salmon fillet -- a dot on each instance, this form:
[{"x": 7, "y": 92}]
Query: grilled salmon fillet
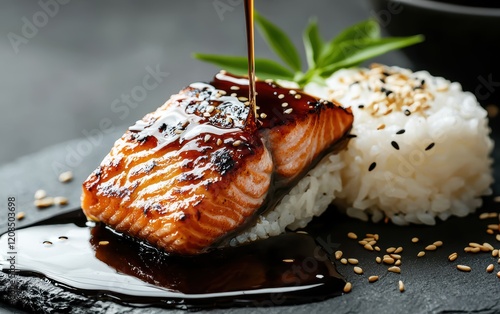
[{"x": 196, "y": 171}]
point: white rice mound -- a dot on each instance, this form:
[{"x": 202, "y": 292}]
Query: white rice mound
[{"x": 438, "y": 165}]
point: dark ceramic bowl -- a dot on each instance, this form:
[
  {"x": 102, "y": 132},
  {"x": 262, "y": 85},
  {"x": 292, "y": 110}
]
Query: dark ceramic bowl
[{"x": 462, "y": 39}]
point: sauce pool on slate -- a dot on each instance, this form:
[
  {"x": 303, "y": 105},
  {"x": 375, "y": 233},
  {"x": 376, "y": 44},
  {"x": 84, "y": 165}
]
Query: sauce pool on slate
[{"x": 99, "y": 263}]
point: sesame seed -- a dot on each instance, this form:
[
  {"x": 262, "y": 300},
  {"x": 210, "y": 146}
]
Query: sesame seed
[
  {"x": 352, "y": 261},
  {"x": 407, "y": 112},
  {"x": 292, "y": 92},
  {"x": 431, "y": 247},
  {"x": 474, "y": 244},
  {"x": 453, "y": 256},
  {"x": 388, "y": 260},
  {"x": 352, "y": 235},
  {"x": 398, "y": 262},
  {"x": 492, "y": 111},
  {"x": 288, "y": 111},
  {"x": 381, "y": 127},
  {"x": 368, "y": 246},
  {"x": 288, "y": 260},
  {"x": 431, "y": 145},
  {"x": 493, "y": 226},
  {"x": 402, "y": 131},
  {"x": 234, "y": 87},
  {"x": 494, "y": 253},
  {"x": 372, "y": 279},
  {"x": 237, "y": 143},
  {"x": 298, "y": 96},
  {"x": 463, "y": 268},
  {"x": 207, "y": 138},
  {"x": 63, "y": 238},
  {"x": 103, "y": 242},
  {"x": 391, "y": 250},
  {"x": 438, "y": 243},
  {"x": 484, "y": 216},
  {"x": 263, "y": 115},
  {"x": 61, "y": 200},
  {"x": 338, "y": 255},
  {"x": 44, "y": 202},
  {"x": 414, "y": 240},
  {"x": 347, "y": 287},
  {"x": 487, "y": 247},
  {"x": 234, "y": 94},
  {"x": 420, "y": 254},
  {"x": 378, "y": 259},
  {"x": 372, "y": 166},
  {"x": 20, "y": 216},
  {"x": 206, "y": 115},
  {"x": 363, "y": 242},
  {"x": 219, "y": 142},
  {"x": 398, "y": 250},
  {"x": 401, "y": 286},
  {"x": 498, "y": 274},
  {"x": 39, "y": 194},
  {"x": 210, "y": 109},
  {"x": 490, "y": 268},
  {"x": 284, "y": 105},
  {"x": 241, "y": 98},
  {"x": 377, "y": 248},
  {"x": 396, "y": 256},
  {"x": 395, "y": 145},
  {"x": 281, "y": 96},
  {"x": 66, "y": 176},
  {"x": 496, "y": 199},
  {"x": 489, "y": 231},
  {"x": 394, "y": 269},
  {"x": 498, "y": 237},
  {"x": 47, "y": 243},
  {"x": 343, "y": 261},
  {"x": 358, "y": 270},
  {"x": 361, "y": 106}
]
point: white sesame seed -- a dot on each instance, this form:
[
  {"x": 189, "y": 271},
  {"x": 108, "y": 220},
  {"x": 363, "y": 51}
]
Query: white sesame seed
[
  {"x": 394, "y": 269},
  {"x": 237, "y": 143},
  {"x": 490, "y": 268},
  {"x": 347, "y": 287},
  {"x": 378, "y": 259},
  {"x": 284, "y": 105},
  {"x": 414, "y": 240},
  {"x": 338, "y": 255},
  {"x": 292, "y": 92},
  {"x": 452, "y": 257},
  {"x": 372, "y": 279},
  {"x": 420, "y": 254},
  {"x": 281, "y": 96},
  {"x": 352, "y": 235},
  {"x": 401, "y": 286},
  {"x": 234, "y": 94},
  {"x": 103, "y": 242},
  {"x": 431, "y": 247},
  {"x": 242, "y": 98},
  {"x": 343, "y": 261},
  {"x": 207, "y": 138},
  {"x": 210, "y": 109},
  {"x": 66, "y": 176},
  {"x": 288, "y": 111},
  {"x": 388, "y": 260},
  {"x": 298, "y": 96},
  {"x": 263, "y": 115},
  {"x": 358, "y": 270},
  {"x": 399, "y": 250},
  {"x": 234, "y": 87},
  {"x": 368, "y": 246},
  {"x": 44, "y": 202},
  {"x": 219, "y": 142},
  {"x": 20, "y": 216},
  {"x": 391, "y": 250},
  {"x": 60, "y": 200},
  {"x": 352, "y": 261},
  {"x": 463, "y": 268},
  {"x": 39, "y": 194}
]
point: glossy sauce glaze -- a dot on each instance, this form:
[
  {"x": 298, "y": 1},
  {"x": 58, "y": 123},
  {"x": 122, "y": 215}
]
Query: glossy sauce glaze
[{"x": 103, "y": 265}]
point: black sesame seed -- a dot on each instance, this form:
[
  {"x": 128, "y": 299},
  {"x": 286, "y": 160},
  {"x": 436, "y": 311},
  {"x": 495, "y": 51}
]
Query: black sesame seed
[
  {"x": 395, "y": 145},
  {"x": 407, "y": 112},
  {"x": 431, "y": 145},
  {"x": 351, "y": 135},
  {"x": 361, "y": 106},
  {"x": 422, "y": 82},
  {"x": 372, "y": 166},
  {"x": 402, "y": 131}
]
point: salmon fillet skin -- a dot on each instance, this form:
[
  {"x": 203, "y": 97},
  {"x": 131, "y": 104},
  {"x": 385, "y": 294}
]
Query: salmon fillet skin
[{"x": 201, "y": 167}]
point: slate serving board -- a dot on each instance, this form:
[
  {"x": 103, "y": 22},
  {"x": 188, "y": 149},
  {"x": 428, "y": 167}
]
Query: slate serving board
[{"x": 432, "y": 283}]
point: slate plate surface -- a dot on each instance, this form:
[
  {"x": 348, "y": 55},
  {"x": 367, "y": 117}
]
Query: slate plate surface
[{"x": 432, "y": 283}]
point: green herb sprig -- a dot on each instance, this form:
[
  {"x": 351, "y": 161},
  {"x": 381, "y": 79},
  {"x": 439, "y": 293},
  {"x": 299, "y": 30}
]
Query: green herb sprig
[{"x": 353, "y": 46}]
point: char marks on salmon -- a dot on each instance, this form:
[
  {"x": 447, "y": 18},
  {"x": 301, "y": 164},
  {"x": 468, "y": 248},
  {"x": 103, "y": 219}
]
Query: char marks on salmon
[{"x": 195, "y": 171}]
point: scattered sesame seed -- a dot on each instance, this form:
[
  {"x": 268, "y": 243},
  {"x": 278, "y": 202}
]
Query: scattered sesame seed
[
  {"x": 430, "y": 146},
  {"x": 241, "y": 98},
  {"x": 401, "y": 286},
  {"x": 474, "y": 244},
  {"x": 399, "y": 249},
  {"x": 484, "y": 216},
  {"x": 284, "y": 105},
  {"x": 438, "y": 243},
  {"x": 207, "y": 138},
  {"x": 237, "y": 143},
  {"x": 44, "y": 202},
  {"x": 395, "y": 256},
  {"x": 61, "y": 200},
  {"x": 298, "y": 96},
  {"x": 377, "y": 248},
  {"x": 234, "y": 87},
  {"x": 352, "y": 261},
  {"x": 388, "y": 260},
  {"x": 402, "y": 131},
  {"x": 206, "y": 115},
  {"x": 20, "y": 216},
  {"x": 407, "y": 112},
  {"x": 487, "y": 247},
  {"x": 47, "y": 243},
  {"x": 338, "y": 255},
  {"x": 210, "y": 109},
  {"x": 352, "y": 235},
  {"x": 263, "y": 115},
  {"x": 347, "y": 287},
  {"x": 368, "y": 246},
  {"x": 66, "y": 176},
  {"x": 358, "y": 270},
  {"x": 288, "y": 111},
  {"x": 39, "y": 194},
  {"x": 493, "y": 226},
  {"x": 490, "y": 268},
  {"x": 463, "y": 268},
  {"x": 496, "y": 199},
  {"x": 391, "y": 250},
  {"x": 453, "y": 256},
  {"x": 420, "y": 254},
  {"x": 414, "y": 240},
  {"x": 381, "y": 127},
  {"x": 492, "y": 110},
  {"x": 361, "y": 106},
  {"x": 490, "y": 231},
  {"x": 372, "y": 166},
  {"x": 394, "y": 269},
  {"x": 292, "y": 92},
  {"x": 219, "y": 142},
  {"x": 395, "y": 145},
  {"x": 498, "y": 237},
  {"x": 103, "y": 242},
  {"x": 234, "y": 94},
  {"x": 372, "y": 279},
  {"x": 431, "y": 247},
  {"x": 343, "y": 261},
  {"x": 63, "y": 238},
  {"x": 494, "y": 253},
  {"x": 498, "y": 274},
  {"x": 281, "y": 96},
  {"x": 398, "y": 262},
  {"x": 378, "y": 259}
]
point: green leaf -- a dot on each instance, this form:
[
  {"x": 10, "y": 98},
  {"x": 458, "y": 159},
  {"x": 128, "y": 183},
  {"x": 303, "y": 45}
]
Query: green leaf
[
  {"x": 357, "y": 51},
  {"x": 368, "y": 29},
  {"x": 264, "y": 68},
  {"x": 279, "y": 42},
  {"x": 313, "y": 43}
]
